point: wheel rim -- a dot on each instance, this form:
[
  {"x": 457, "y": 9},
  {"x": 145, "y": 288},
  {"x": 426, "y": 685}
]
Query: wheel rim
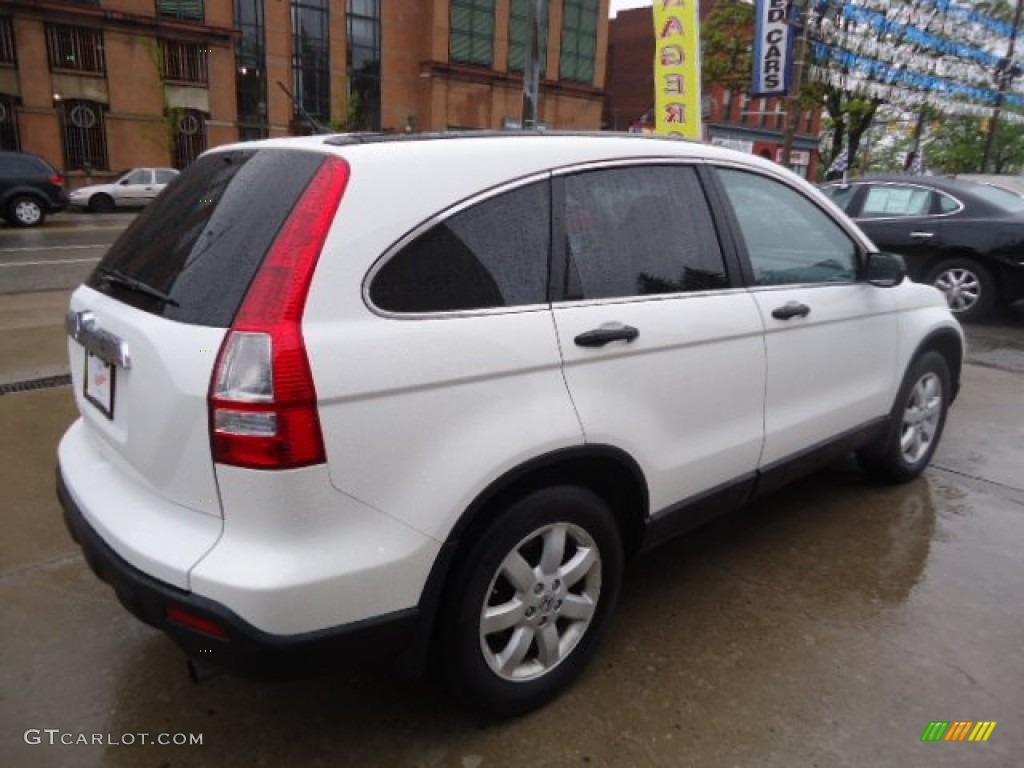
[
  {"x": 540, "y": 602},
  {"x": 961, "y": 286},
  {"x": 921, "y": 418},
  {"x": 27, "y": 212}
]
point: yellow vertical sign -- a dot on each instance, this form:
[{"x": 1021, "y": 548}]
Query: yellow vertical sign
[{"x": 677, "y": 68}]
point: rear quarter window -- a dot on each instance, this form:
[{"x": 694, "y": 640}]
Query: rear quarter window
[{"x": 493, "y": 254}]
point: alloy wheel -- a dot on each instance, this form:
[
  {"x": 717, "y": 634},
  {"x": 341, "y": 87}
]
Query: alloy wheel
[
  {"x": 921, "y": 418},
  {"x": 540, "y": 602},
  {"x": 961, "y": 286}
]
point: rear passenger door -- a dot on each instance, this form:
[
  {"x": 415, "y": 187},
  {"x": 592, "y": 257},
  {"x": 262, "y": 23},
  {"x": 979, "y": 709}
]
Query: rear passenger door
[
  {"x": 664, "y": 355},
  {"x": 831, "y": 338},
  {"x": 904, "y": 219}
]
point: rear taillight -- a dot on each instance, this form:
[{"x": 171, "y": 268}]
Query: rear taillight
[
  {"x": 57, "y": 180},
  {"x": 263, "y": 405}
]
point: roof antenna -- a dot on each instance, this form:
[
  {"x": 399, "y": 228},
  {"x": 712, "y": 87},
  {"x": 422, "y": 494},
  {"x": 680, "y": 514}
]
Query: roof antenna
[{"x": 317, "y": 128}]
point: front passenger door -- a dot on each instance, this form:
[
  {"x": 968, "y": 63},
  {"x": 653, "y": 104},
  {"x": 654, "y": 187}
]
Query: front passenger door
[{"x": 831, "y": 339}]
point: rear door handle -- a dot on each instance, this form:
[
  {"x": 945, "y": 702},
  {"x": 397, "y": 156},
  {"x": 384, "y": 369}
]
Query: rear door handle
[
  {"x": 605, "y": 334},
  {"x": 922, "y": 235},
  {"x": 791, "y": 309}
]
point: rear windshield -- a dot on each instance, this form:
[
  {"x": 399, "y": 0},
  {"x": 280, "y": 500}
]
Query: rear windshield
[
  {"x": 1001, "y": 198},
  {"x": 202, "y": 240}
]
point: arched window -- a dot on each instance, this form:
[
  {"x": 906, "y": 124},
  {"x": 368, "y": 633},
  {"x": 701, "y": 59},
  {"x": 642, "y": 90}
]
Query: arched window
[
  {"x": 189, "y": 136},
  {"x": 8, "y": 123},
  {"x": 85, "y": 141}
]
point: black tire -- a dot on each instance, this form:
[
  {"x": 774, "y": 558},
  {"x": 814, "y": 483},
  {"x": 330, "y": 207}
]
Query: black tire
[
  {"x": 915, "y": 424},
  {"x": 101, "y": 203},
  {"x": 968, "y": 285},
  {"x": 26, "y": 211},
  {"x": 568, "y": 599}
]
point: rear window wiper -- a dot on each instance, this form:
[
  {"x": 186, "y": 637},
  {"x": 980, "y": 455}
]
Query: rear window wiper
[{"x": 118, "y": 277}]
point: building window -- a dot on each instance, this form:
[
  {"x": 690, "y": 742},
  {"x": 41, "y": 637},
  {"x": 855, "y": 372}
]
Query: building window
[
  {"x": 8, "y": 124},
  {"x": 744, "y": 111},
  {"x": 189, "y": 10},
  {"x": 7, "y": 55},
  {"x": 184, "y": 62},
  {"x": 189, "y": 135},
  {"x": 472, "y": 36},
  {"x": 85, "y": 143},
  {"x": 363, "y": 23},
  {"x": 250, "y": 70},
  {"x": 311, "y": 61},
  {"x": 75, "y": 49},
  {"x": 579, "y": 40},
  {"x": 517, "y": 34}
]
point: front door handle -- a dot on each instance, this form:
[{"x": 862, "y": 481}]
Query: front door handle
[
  {"x": 922, "y": 235},
  {"x": 605, "y": 334},
  {"x": 791, "y": 309}
]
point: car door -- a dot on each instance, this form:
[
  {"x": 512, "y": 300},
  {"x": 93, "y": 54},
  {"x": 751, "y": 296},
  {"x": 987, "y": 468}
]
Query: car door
[
  {"x": 663, "y": 353},
  {"x": 902, "y": 218},
  {"x": 136, "y": 188},
  {"x": 831, "y": 339}
]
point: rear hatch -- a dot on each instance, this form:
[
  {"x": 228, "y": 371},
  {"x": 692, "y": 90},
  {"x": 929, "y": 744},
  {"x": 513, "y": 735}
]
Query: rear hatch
[{"x": 147, "y": 326}]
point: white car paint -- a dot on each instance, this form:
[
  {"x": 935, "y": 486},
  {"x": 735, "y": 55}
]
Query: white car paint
[{"x": 420, "y": 414}]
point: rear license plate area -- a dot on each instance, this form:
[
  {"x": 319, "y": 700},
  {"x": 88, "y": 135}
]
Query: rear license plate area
[{"x": 99, "y": 384}]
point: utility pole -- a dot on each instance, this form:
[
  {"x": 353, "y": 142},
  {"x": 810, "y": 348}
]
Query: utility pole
[
  {"x": 798, "y": 18},
  {"x": 1005, "y": 72},
  {"x": 531, "y": 66}
]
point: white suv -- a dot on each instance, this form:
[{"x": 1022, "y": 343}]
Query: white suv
[{"x": 420, "y": 396}]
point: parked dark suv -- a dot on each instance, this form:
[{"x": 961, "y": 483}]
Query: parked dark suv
[{"x": 30, "y": 188}]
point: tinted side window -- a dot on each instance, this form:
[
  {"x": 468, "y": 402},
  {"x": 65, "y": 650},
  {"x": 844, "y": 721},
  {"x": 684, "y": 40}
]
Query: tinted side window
[
  {"x": 789, "y": 239},
  {"x": 16, "y": 165},
  {"x": 164, "y": 177},
  {"x": 894, "y": 200},
  {"x": 493, "y": 254},
  {"x": 841, "y": 195},
  {"x": 638, "y": 232}
]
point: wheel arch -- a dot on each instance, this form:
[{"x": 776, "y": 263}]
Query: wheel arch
[
  {"x": 607, "y": 471},
  {"x": 947, "y": 343}
]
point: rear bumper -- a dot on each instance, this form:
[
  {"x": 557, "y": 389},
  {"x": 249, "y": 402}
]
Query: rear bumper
[{"x": 232, "y": 643}]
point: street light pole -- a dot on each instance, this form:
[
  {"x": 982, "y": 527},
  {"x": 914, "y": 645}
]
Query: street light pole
[
  {"x": 531, "y": 65},
  {"x": 796, "y": 86},
  {"x": 1005, "y": 74}
]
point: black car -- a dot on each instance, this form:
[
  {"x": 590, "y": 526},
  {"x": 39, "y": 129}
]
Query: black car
[
  {"x": 30, "y": 188},
  {"x": 965, "y": 238}
]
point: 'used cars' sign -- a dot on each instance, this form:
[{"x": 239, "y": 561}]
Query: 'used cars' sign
[{"x": 771, "y": 49}]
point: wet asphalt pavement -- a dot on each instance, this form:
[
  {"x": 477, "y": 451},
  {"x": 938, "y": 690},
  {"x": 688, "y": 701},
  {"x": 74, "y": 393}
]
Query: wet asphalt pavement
[{"x": 826, "y": 626}]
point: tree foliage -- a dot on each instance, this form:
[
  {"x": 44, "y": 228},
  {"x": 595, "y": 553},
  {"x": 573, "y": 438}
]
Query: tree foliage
[
  {"x": 957, "y": 146},
  {"x": 726, "y": 39}
]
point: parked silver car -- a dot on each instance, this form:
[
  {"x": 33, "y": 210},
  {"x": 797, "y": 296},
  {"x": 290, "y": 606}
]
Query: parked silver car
[{"x": 135, "y": 189}]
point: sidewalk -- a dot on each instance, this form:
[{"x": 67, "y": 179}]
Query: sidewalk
[{"x": 32, "y": 340}]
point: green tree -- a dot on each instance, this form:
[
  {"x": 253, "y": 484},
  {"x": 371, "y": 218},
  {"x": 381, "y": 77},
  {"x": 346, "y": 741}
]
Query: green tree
[
  {"x": 956, "y": 148},
  {"x": 725, "y": 37}
]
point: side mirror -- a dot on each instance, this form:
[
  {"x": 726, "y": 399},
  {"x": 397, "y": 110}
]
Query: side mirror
[
  {"x": 885, "y": 270},
  {"x": 125, "y": 182}
]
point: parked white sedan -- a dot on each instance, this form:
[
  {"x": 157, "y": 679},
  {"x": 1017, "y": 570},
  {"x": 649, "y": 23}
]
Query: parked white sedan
[{"x": 135, "y": 189}]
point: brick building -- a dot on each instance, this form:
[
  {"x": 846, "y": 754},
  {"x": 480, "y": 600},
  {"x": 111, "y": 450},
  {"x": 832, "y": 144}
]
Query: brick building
[
  {"x": 100, "y": 85},
  {"x": 734, "y": 119}
]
